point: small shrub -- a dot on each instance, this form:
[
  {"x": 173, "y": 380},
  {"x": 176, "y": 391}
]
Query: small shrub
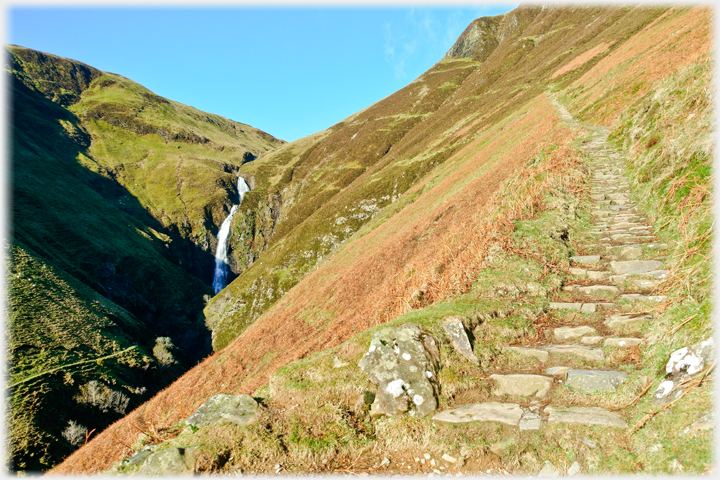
[
  {"x": 98, "y": 395},
  {"x": 75, "y": 433},
  {"x": 163, "y": 351}
]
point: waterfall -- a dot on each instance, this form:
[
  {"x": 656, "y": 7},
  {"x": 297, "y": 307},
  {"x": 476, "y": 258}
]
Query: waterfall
[{"x": 221, "y": 259}]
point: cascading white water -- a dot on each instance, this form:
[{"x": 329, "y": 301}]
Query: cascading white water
[{"x": 221, "y": 258}]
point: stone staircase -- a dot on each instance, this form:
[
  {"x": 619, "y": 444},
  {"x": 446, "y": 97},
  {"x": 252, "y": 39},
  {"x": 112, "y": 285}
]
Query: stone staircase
[{"x": 598, "y": 315}]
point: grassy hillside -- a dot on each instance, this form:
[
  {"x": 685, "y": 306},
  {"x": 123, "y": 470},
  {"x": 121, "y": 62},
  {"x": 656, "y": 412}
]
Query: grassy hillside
[
  {"x": 334, "y": 182},
  {"x": 119, "y": 194},
  {"x": 483, "y": 194}
]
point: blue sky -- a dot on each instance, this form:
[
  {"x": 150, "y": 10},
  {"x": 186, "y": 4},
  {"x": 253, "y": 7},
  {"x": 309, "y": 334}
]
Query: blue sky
[{"x": 290, "y": 71}]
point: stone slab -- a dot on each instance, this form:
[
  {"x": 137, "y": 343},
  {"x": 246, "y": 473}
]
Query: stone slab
[
  {"x": 507, "y": 413},
  {"x": 634, "y": 266},
  {"x": 585, "y": 259},
  {"x": 572, "y": 333},
  {"x": 597, "y": 274},
  {"x": 537, "y": 353},
  {"x": 530, "y": 421},
  {"x": 622, "y": 342},
  {"x": 585, "y": 416},
  {"x": 636, "y": 297},
  {"x": 630, "y": 253},
  {"x": 592, "y": 341},
  {"x": 588, "y": 381},
  {"x": 618, "y": 323},
  {"x": 582, "y": 307},
  {"x": 519, "y": 384},
  {"x": 580, "y": 351}
]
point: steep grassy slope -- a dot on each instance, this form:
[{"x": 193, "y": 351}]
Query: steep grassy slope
[
  {"x": 102, "y": 172},
  {"x": 494, "y": 206},
  {"x": 332, "y": 183},
  {"x": 62, "y": 335}
]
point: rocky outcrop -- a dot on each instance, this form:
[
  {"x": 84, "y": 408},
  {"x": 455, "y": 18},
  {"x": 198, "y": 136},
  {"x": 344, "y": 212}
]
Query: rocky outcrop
[
  {"x": 170, "y": 461},
  {"x": 479, "y": 38},
  {"x": 403, "y": 362},
  {"x": 238, "y": 409},
  {"x": 253, "y": 227}
]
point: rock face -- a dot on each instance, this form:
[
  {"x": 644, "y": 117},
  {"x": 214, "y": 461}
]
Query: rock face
[
  {"x": 455, "y": 330},
  {"x": 403, "y": 362},
  {"x": 237, "y": 409}
]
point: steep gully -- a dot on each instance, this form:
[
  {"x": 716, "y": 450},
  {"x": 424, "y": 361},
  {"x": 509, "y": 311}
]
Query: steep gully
[{"x": 221, "y": 255}]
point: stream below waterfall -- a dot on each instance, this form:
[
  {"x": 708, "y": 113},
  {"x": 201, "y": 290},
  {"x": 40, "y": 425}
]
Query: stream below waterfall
[{"x": 221, "y": 255}]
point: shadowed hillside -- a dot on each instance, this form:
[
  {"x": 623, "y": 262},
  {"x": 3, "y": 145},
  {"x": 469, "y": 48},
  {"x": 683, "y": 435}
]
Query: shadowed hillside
[
  {"x": 466, "y": 194},
  {"x": 117, "y": 197}
]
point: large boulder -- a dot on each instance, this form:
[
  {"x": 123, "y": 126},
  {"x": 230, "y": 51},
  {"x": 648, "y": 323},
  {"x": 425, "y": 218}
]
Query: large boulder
[
  {"x": 237, "y": 409},
  {"x": 403, "y": 362}
]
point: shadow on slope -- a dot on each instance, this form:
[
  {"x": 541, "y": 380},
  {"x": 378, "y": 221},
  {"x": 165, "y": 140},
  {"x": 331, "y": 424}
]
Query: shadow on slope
[{"x": 81, "y": 234}]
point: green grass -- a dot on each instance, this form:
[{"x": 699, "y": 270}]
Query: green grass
[{"x": 111, "y": 227}]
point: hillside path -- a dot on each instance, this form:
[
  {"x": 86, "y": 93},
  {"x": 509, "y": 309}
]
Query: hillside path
[{"x": 583, "y": 368}]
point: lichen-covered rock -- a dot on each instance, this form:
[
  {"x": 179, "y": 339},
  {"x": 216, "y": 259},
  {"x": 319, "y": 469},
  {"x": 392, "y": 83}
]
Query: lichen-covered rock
[
  {"x": 403, "y": 362},
  {"x": 684, "y": 363},
  {"x": 237, "y": 409},
  {"x": 170, "y": 461},
  {"x": 692, "y": 359}
]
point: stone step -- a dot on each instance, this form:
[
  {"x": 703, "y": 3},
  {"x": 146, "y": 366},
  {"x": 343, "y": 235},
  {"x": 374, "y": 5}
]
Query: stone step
[
  {"x": 585, "y": 259},
  {"x": 655, "y": 275},
  {"x": 592, "y": 289},
  {"x": 645, "y": 238},
  {"x": 634, "y": 266},
  {"x": 637, "y": 297},
  {"x": 587, "y": 353},
  {"x": 537, "y": 353},
  {"x": 620, "y": 323},
  {"x": 563, "y": 334},
  {"x": 622, "y": 342},
  {"x": 521, "y": 385},
  {"x": 640, "y": 283},
  {"x": 592, "y": 341},
  {"x": 507, "y": 413},
  {"x": 654, "y": 246},
  {"x": 584, "y": 416},
  {"x": 580, "y": 306},
  {"x": 629, "y": 253},
  {"x": 590, "y": 274},
  {"x": 589, "y": 381}
]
